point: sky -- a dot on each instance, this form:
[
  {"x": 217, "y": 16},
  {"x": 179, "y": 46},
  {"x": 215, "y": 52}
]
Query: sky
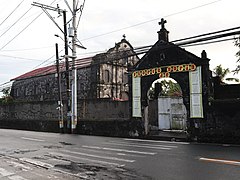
[{"x": 27, "y": 38}]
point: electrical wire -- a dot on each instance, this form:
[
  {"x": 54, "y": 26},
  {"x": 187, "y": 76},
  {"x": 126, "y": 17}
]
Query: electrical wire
[
  {"x": 140, "y": 49},
  {"x": 12, "y": 12},
  {"x": 141, "y": 23},
  {"x": 145, "y": 49},
  {"x": 81, "y": 11},
  {"x": 207, "y": 34},
  {"x": 15, "y": 22},
  {"x": 24, "y": 27},
  {"x": 20, "y": 32},
  {"x": 16, "y": 57},
  {"x": 29, "y": 49},
  {"x": 211, "y": 42},
  {"x": 46, "y": 60},
  {"x": 121, "y": 28}
]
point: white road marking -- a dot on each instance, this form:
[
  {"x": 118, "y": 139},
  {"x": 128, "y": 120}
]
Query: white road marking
[
  {"x": 87, "y": 159},
  {"x": 4, "y": 172},
  {"x": 16, "y": 177},
  {"x": 22, "y": 166},
  {"x": 120, "y": 150},
  {"x": 33, "y": 139},
  {"x": 78, "y": 175},
  {"x": 101, "y": 157},
  {"x": 223, "y": 161},
  {"x": 139, "y": 145},
  {"x": 154, "y": 145},
  {"x": 155, "y": 141},
  {"x": 37, "y": 163}
]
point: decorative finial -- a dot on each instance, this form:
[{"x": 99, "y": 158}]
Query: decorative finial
[{"x": 124, "y": 36}]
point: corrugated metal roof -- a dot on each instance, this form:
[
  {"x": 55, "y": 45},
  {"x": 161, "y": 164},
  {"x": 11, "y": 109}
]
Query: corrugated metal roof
[{"x": 80, "y": 63}]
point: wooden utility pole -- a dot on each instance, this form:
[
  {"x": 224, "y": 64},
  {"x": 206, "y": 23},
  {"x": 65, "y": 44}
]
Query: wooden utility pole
[
  {"x": 64, "y": 31},
  {"x": 71, "y": 102},
  {"x": 60, "y": 104},
  {"x": 68, "y": 88}
]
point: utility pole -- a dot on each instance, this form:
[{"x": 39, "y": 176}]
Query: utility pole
[
  {"x": 71, "y": 105},
  {"x": 64, "y": 31},
  {"x": 74, "y": 70},
  {"x": 68, "y": 90},
  {"x": 60, "y": 105}
]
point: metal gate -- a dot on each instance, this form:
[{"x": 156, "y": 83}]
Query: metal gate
[{"x": 171, "y": 113}]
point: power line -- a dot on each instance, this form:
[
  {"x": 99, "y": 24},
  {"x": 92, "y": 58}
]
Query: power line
[
  {"x": 115, "y": 30},
  {"x": 12, "y": 12},
  {"x": 211, "y": 42},
  {"x": 141, "y": 23},
  {"x": 17, "y": 57},
  {"x": 144, "y": 49},
  {"x": 203, "y": 5},
  {"x": 28, "y": 49},
  {"x": 46, "y": 60},
  {"x": 20, "y": 32},
  {"x": 5, "y": 83},
  {"x": 23, "y": 28},
  {"x": 207, "y": 34},
  {"x": 16, "y": 22}
]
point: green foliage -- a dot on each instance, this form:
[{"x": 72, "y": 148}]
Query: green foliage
[
  {"x": 169, "y": 88},
  {"x": 6, "y": 98},
  {"x": 237, "y": 44},
  {"x": 222, "y": 72}
]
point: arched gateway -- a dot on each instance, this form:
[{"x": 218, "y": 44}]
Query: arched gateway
[{"x": 166, "y": 59}]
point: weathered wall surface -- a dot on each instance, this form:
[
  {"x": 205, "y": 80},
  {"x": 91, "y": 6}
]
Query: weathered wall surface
[
  {"x": 94, "y": 117},
  {"x": 45, "y": 88},
  {"x": 223, "y": 123},
  {"x": 40, "y": 116}
]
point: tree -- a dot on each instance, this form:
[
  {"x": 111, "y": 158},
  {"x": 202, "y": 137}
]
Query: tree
[
  {"x": 237, "y": 44},
  {"x": 168, "y": 88},
  {"x": 222, "y": 72},
  {"x": 6, "y": 98}
]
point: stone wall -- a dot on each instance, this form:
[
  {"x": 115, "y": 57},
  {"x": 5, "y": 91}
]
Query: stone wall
[
  {"x": 100, "y": 117},
  {"x": 223, "y": 124},
  {"x": 228, "y": 91},
  {"x": 42, "y": 88},
  {"x": 45, "y": 88}
]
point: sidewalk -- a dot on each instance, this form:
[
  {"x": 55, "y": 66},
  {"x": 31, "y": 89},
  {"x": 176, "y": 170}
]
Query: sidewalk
[{"x": 170, "y": 135}]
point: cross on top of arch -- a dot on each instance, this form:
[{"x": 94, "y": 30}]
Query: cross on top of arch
[{"x": 162, "y": 23}]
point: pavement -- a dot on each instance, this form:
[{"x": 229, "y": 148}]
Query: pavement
[{"x": 169, "y": 135}]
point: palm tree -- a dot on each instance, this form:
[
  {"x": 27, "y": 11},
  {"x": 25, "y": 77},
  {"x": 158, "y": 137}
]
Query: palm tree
[{"x": 222, "y": 72}]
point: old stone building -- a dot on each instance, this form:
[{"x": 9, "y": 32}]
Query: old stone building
[
  {"x": 104, "y": 75},
  {"x": 211, "y": 109}
]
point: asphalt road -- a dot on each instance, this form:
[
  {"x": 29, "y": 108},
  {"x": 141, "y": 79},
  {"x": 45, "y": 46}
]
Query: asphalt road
[{"x": 37, "y": 155}]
